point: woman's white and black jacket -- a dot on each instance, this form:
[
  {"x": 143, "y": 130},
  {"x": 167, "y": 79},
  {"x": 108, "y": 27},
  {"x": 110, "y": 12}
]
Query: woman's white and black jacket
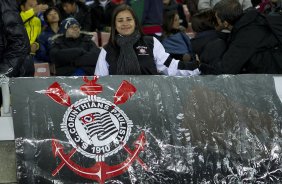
[{"x": 153, "y": 60}]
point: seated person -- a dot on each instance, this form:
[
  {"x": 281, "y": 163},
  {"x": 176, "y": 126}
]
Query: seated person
[
  {"x": 101, "y": 12},
  {"x": 208, "y": 43},
  {"x": 252, "y": 46},
  {"x": 176, "y": 42},
  {"x": 129, "y": 52},
  {"x": 73, "y": 52},
  {"x": 173, "y": 5},
  {"x": 52, "y": 18},
  {"x": 77, "y": 10}
]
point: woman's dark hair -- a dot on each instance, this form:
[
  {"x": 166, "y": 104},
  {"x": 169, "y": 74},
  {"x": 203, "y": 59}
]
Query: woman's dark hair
[
  {"x": 117, "y": 10},
  {"x": 168, "y": 18},
  {"x": 228, "y": 10},
  {"x": 204, "y": 21},
  {"x": 45, "y": 14}
]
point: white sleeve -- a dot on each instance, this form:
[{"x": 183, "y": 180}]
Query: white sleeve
[
  {"x": 167, "y": 65},
  {"x": 102, "y": 66}
]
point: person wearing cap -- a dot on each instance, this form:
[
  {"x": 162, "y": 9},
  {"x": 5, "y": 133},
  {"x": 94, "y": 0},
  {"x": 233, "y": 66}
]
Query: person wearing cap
[{"x": 73, "y": 52}]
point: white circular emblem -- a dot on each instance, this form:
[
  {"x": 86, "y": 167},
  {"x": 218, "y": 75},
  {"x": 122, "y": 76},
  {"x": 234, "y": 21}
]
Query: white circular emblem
[{"x": 97, "y": 128}]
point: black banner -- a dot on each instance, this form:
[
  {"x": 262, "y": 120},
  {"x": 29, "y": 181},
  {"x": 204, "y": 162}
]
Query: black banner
[{"x": 148, "y": 129}]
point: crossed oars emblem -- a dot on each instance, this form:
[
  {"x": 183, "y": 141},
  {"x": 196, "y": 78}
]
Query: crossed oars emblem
[{"x": 100, "y": 171}]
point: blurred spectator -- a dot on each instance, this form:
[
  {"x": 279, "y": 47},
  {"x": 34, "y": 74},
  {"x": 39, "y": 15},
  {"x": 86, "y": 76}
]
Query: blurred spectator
[
  {"x": 252, "y": 44},
  {"x": 208, "y": 44},
  {"x": 52, "y": 18},
  {"x": 207, "y": 4},
  {"x": 73, "y": 52},
  {"x": 50, "y": 3},
  {"x": 14, "y": 43},
  {"x": 172, "y": 5},
  {"x": 150, "y": 15},
  {"x": 77, "y": 10},
  {"x": 268, "y": 6},
  {"x": 192, "y": 6},
  {"x": 118, "y": 1},
  {"x": 29, "y": 11},
  {"x": 175, "y": 41},
  {"x": 130, "y": 53},
  {"x": 101, "y": 12}
]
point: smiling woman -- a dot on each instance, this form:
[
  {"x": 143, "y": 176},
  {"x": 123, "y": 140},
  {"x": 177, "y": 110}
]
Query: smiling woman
[{"x": 130, "y": 52}]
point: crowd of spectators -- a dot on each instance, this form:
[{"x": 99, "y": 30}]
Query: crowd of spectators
[{"x": 199, "y": 36}]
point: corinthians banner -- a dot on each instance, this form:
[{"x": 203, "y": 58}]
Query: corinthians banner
[{"x": 148, "y": 129}]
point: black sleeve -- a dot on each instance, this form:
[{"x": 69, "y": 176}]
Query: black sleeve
[
  {"x": 17, "y": 41},
  {"x": 68, "y": 56}
]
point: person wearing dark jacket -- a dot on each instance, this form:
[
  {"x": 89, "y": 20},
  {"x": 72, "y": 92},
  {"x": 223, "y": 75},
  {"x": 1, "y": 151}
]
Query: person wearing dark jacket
[
  {"x": 52, "y": 19},
  {"x": 251, "y": 43},
  {"x": 101, "y": 12},
  {"x": 77, "y": 10},
  {"x": 73, "y": 52},
  {"x": 14, "y": 42},
  {"x": 208, "y": 43}
]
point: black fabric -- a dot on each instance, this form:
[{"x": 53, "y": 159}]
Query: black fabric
[
  {"x": 27, "y": 68},
  {"x": 146, "y": 59},
  {"x": 168, "y": 61},
  {"x": 190, "y": 65},
  {"x": 14, "y": 43},
  {"x": 68, "y": 54},
  {"x": 275, "y": 23},
  {"x": 101, "y": 17},
  {"x": 127, "y": 63}
]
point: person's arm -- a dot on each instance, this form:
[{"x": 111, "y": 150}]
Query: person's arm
[
  {"x": 169, "y": 66},
  {"x": 17, "y": 46},
  {"x": 89, "y": 58},
  {"x": 68, "y": 56},
  {"x": 102, "y": 66}
]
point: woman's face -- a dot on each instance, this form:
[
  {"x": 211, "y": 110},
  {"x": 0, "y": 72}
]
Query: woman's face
[
  {"x": 176, "y": 24},
  {"x": 125, "y": 24},
  {"x": 53, "y": 17}
]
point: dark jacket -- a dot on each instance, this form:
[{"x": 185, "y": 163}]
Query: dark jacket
[
  {"x": 249, "y": 49},
  {"x": 14, "y": 43},
  {"x": 101, "y": 17},
  {"x": 69, "y": 54},
  {"x": 209, "y": 46},
  {"x": 44, "y": 41}
]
